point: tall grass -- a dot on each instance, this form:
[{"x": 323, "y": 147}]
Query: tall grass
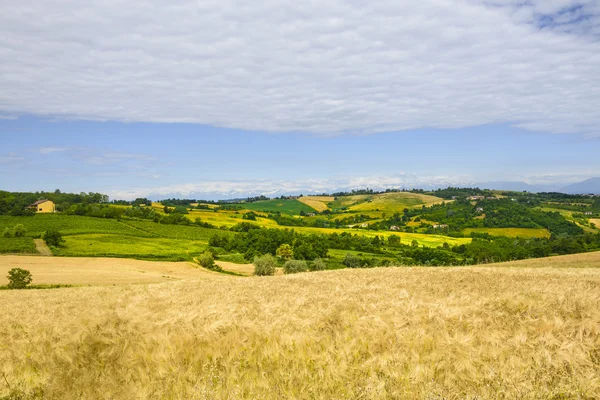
[{"x": 443, "y": 333}]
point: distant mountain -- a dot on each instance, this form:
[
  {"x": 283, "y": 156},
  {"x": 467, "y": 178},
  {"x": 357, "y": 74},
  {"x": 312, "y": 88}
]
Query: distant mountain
[
  {"x": 591, "y": 185},
  {"x": 514, "y": 186}
]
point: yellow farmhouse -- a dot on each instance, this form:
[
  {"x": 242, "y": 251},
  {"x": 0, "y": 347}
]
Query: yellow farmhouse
[{"x": 43, "y": 206}]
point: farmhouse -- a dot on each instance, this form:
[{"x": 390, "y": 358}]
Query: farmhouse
[
  {"x": 476, "y": 198},
  {"x": 479, "y": 209},
  {"x": 43, "y": 206},
  {"x": 588, "y": 213},
  {"x": 394, "y": 228},
  {"x": 440, "y": 226}
]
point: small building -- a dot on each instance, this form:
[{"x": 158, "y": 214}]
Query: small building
[
  {"x": 311, "y": 214},
  {"x": 588, "y": 213},
  {"x": 394, "y": 228},
  {"x": 476, "y": 198},
  {"x": 440, "y": 226},
  {"x": 479, "y": 209},
  {"x": 364, "y": 225},
  {"x": 43, "y": 206}
]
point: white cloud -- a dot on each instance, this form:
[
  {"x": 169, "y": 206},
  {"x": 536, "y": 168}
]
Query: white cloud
[
  {"x": 49, "y": 150},
  {"x": 322, "y": 67},
  {"x": 10, "y": 158}
]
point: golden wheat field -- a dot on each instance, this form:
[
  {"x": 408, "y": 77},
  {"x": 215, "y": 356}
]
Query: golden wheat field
[{"x": 507, "y": 331}]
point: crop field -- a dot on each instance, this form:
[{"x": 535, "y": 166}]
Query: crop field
[
  {"x": 68, "y": 224},
  {"x": 511, "y": 232},
  {"x": 149, "y": 228},
  {"x": 292, "y": 207},
  {"x": 393, "y": 202},
  {"x": 407, "y": 238},
  {"x": 143, "y": 248},
  {"x": 101, "y": 271},
  {"x": 17, "y": 245},
  {"x": 595, "y": 221},
  {"x": 319, "y": 203},
  {"x": 228, "y": 218},
  {"x": 528, "y": 330}
]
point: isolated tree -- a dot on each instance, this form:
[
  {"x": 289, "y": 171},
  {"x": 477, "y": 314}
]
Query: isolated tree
[
  {"x": 264, "y": 265},
  {"x": 295, "y": 266},
  {"x": 53, "y": 238},
  {"x": 207, "y": 260},
  {"x": 285, "y": 251},
  {"x": 414, "y": 243},
  {"x": 19, "y": 278}
]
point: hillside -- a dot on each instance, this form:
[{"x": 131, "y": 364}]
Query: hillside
[{"x": 470, "y": 332}]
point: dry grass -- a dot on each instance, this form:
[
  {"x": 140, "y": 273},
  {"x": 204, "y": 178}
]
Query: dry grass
[
  {"x": 319, "y": 203},
  {"x": 242, "y": 269},
  {"x": 100, "y": 271},
  {"x": 511, "y": 232},
  {"x": 436, "y": 333},
  {"x": 595, "y": 221}
]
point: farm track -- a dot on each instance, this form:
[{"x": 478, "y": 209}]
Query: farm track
[{"x": 42, "y": 248}]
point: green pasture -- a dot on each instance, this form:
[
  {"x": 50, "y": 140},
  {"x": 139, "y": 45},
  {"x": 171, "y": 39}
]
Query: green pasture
[
  {"x": 103, "y": 245},
  {"x": 17, "y": 245},
  {"x": 68, "y": 224}
]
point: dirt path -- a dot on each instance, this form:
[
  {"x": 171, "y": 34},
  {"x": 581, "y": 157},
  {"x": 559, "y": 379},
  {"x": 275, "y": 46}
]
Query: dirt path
[{"x": 42, "y": 247}]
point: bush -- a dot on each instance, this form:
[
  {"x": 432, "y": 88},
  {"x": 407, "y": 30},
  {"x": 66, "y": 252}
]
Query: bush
[
  {"x": 19, "y": 230},
  {"x": 295, "y": 266},
  {"x": 7, "y": 233},
  {"x": 318, "y": 265},
  {"x": 19, "y": 278},
  {"x": 53, "y": 238},
  {"x": 285, "y": 251},
  {"x": 352, "y": 261},
  {"x": 207, "y": 261},
  {"x": 265, "y": 265}
]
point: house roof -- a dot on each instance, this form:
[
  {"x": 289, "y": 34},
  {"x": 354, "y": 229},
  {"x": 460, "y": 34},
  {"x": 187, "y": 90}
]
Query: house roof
[{"x": 39, "y": 202}]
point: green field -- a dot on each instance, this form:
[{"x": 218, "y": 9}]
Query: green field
[
  {"x": 69, "y": 225},
  {"x": 143, "y": 248},
  {"x": 292, "y": 207},
  {"x": 511, "y": 232},
  {"x": 17, "y": 245}
]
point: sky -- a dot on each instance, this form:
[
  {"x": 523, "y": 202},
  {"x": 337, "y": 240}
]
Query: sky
[{"x": 221, "y": 99}]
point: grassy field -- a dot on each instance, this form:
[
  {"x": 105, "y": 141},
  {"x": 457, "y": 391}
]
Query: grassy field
[
  {"x": 228, "y": 218},
  {"x": 17, "y": 245},
  {"x": 141, "y": 248},
  {"x": 292, "y": 207},
  {"x": 528, "y": 330},
  {"x": 511, "y": 232},
  {"x": 422, "y": 239},
  {"x": 595, "y": 221},
  {"x": 391, "y": 203}
]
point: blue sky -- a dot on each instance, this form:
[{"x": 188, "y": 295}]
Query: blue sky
[{"x": 214, "y": 99}]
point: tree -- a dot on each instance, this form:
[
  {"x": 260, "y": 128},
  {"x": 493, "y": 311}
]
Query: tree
[
  {"x": 265, "y": 265},
  {"x": 295, "y": 266},
  {"x": 414, "y": 243},
  {"x": 318, "y": 265},
  {"x": 394, "y": 240},
  {"x": 207, "y": 261},
  {"x": 7, "y": 233},
  {"x": 285, "y": 251},
  {"x": 19, "y": 278},
  {"x": 352, "y": 261},
  {"x": 53, "y": 238}
]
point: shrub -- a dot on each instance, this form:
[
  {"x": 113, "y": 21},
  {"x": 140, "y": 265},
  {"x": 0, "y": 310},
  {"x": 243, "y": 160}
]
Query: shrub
[
  {"x": 264, "y": 265},
  {"x": 207, "y": 261},
  {"x": 7, "y": 233},
  {"x": 19, "y": 230},
  {"x": 352, "y": 261},
  {"x": 53, "y": 238},
  {"x": 285, "y": 251},
  {"x": 318, "y": 265},
  {"x": 19, "y": 278},
  {"x": 295, "y": 266}
]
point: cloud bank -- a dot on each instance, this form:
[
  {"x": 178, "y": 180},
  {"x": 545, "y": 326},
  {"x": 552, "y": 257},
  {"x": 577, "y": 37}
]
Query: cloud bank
[{"x": 321, "y": 67}]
